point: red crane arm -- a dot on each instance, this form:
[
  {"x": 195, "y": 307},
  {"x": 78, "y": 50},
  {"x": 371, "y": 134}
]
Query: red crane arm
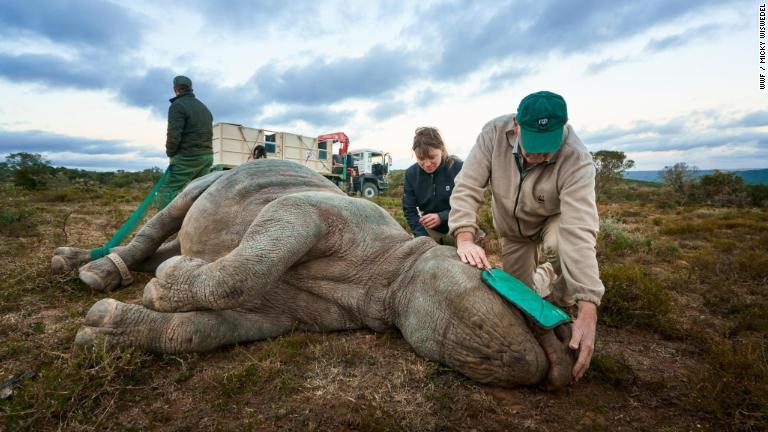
[{"x": 336, "y": 136}]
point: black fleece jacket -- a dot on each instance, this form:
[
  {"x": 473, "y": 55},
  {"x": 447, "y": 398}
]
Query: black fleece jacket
[{"x": 431, "y": 193}]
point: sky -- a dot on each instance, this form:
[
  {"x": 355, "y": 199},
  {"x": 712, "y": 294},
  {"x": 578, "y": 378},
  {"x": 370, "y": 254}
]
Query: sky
[{"x": 86, "y": 83}]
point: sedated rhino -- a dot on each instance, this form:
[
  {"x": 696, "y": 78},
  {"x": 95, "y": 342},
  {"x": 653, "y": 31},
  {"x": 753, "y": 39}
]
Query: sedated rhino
[{"x": 272, "y": 246}]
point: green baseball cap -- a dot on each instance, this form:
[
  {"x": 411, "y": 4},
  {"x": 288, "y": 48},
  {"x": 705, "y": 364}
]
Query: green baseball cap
[
  {"x": 182, "y": 80},
  {"x": 542, "y": 117}
]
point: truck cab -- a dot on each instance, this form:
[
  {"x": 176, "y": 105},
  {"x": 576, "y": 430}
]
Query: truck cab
[{"x": 371, "y": 171}]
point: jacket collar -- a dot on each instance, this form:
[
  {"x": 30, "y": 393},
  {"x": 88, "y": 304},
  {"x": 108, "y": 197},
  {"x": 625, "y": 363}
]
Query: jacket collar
[{"x": 189, "y": 93}]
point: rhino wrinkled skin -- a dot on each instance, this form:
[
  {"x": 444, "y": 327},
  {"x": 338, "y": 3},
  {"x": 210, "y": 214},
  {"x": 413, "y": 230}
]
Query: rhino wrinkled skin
[{"x": 271, "y": 246}]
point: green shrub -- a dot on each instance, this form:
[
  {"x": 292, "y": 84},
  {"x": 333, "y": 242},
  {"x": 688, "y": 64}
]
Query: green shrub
[
  {"x": 276, "y": 368},
  {"x": 70, "y": 390},
  {"x": 732, "y": 386},
  {"x": 751, "y": 317},
  {"x": 611, "y": 370},
  {"x": 17, "y": 222},
  {"x": 723, "y": 189},
  {"x": 632, "y": 298},
  {"x": 752, "y": 264},
  {"x": 29, "y": 170},
  {"x": 616, "y": 238},
  {"x": 758, "y": 195}
]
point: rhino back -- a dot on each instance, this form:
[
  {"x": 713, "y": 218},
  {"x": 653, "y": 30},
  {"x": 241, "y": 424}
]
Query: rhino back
[{"x": 217, "y": 220}]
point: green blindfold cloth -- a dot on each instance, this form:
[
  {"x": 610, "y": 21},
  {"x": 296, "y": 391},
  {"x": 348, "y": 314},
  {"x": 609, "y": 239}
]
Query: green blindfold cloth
[{"x": 542, "y": 312}]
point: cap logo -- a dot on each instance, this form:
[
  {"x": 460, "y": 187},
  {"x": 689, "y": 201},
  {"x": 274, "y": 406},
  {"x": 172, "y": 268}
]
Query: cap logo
[{"x": 543, "y": 122}]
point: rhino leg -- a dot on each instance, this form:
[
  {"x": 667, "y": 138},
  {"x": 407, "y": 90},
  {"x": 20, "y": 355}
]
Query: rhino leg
[
  {"x": 282, "y": 234},
  {"x": 168, "y": 250},
  {"x": 103, "y": 275},
  {"x": 114, "y": 324},
  {"x": 65, "y": 259}
]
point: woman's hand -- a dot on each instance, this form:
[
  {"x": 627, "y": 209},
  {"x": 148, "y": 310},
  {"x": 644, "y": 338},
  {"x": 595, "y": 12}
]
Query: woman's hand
[
  {"x": 431, "y": 220},
  {"x": 469, "y": 252}
]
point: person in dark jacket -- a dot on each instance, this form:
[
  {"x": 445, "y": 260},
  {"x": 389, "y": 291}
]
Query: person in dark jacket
[
  {"x": 428, "y": 185},
  {"x": 188, "y": 143},
  {"x": 259, "y": 152}
]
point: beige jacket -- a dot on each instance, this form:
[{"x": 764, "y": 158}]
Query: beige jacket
[{"x": 564, "y": 185}]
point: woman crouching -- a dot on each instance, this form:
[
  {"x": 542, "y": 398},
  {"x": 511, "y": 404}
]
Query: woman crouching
[{"x": 428, "y": 185}]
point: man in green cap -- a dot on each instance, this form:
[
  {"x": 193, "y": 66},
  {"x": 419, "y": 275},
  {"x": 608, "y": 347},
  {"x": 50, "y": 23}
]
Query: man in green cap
[
  {"x": 544, "y": 209},
  {"x": 188, "y": 142}
]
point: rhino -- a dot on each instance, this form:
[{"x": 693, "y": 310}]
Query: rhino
[{"x": 271, "y": 246}]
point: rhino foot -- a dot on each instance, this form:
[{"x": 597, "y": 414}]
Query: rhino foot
[
  {"x": 99, "y": 324},
  {"x": 173, "y": 288},
  {"x": 100, "y": 275},
  {"x": 66, "y": 259}
]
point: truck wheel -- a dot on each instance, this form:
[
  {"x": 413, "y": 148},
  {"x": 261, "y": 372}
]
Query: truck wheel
[{"x": 370, "y": 190}]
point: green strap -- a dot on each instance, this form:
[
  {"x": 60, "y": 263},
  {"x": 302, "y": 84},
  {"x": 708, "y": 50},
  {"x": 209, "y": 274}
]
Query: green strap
[{"x": 129, "y": 225}]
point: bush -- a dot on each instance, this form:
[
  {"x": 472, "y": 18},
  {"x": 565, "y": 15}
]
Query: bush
[
  {"x": 17, "y": 222},
  {"x": 632, "y": 298},
  {"x": 616, "y": 238},
  {"x": 752, "y": 264},
  {"x": 609, "y": 169},
  {"x": 723, "y": 189},
  {"x": 29, "y": 171},
  {"x": 758, "y": 195},
  {"x": 69, "y": 391},
  {"x": 611, "y": 370},
  {"x": 680, "y": 179},
  {"x": 732, "y": 387}
]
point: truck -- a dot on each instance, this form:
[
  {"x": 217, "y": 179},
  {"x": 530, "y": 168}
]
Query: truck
[{"x": 363, "y": 171}]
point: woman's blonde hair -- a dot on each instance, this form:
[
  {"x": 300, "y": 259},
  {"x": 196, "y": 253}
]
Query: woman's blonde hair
[{"x": 427, "y": 138}]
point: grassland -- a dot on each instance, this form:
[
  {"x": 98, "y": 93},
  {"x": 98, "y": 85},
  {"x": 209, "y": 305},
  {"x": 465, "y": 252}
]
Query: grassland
[{"x": 682, "y": 344}]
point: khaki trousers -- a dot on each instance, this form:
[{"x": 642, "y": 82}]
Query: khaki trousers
[
  {"x": 441, "y": 239},
  {"x": 537, "y": 262}
]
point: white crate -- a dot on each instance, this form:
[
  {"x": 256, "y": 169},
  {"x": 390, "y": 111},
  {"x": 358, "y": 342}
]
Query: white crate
[{"x": 233, "y": 145}]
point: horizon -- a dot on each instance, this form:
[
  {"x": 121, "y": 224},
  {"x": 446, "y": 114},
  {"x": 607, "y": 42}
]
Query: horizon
[{"x": 87, "y": 84}]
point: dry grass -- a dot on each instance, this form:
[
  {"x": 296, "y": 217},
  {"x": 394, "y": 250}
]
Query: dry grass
[{"x": 682, "y": 341}]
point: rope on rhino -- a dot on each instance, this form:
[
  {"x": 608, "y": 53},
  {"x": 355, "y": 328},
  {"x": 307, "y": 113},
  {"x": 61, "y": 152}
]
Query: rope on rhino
[{"x": 129, "y": 226}]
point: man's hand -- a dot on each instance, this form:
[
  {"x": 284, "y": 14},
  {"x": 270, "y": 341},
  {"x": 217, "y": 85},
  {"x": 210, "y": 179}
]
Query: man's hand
[
  {"x": 583, "y": 337},
  {"x": 431, "y": 220},
  {"x": 469, "y": 252}
]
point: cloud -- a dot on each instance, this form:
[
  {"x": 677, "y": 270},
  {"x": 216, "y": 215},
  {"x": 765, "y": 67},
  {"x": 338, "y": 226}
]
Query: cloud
[
  {"x": 35, "y": 141},
  {"x": 387, "y": 110},
  {"x": 52, "y": 71},
  {"x": 640, "y": 128},
  {"x": 682, "y": 134},
  {"x": 680, "y": 39},
  {"x": 470, "y": 35},
  {"x": 316, "y": 116},
  {"x": 79, "y": 152},
  {"x": 82, "y": 23},
  {"x": 599, "y": 66},
  {"x": 658, "y": 45},
  {"x": 452, "y": 39},
  {"x": 754, "y": 119},
  {"x": 377, "y": 71},
  {"x": 426, "y": 97},
  {"x": 149, "y": 90},
  {"x": 258, "y": 15},
  {"x": 507, "y": 76},
  {"x": 104, "y": 163}
]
